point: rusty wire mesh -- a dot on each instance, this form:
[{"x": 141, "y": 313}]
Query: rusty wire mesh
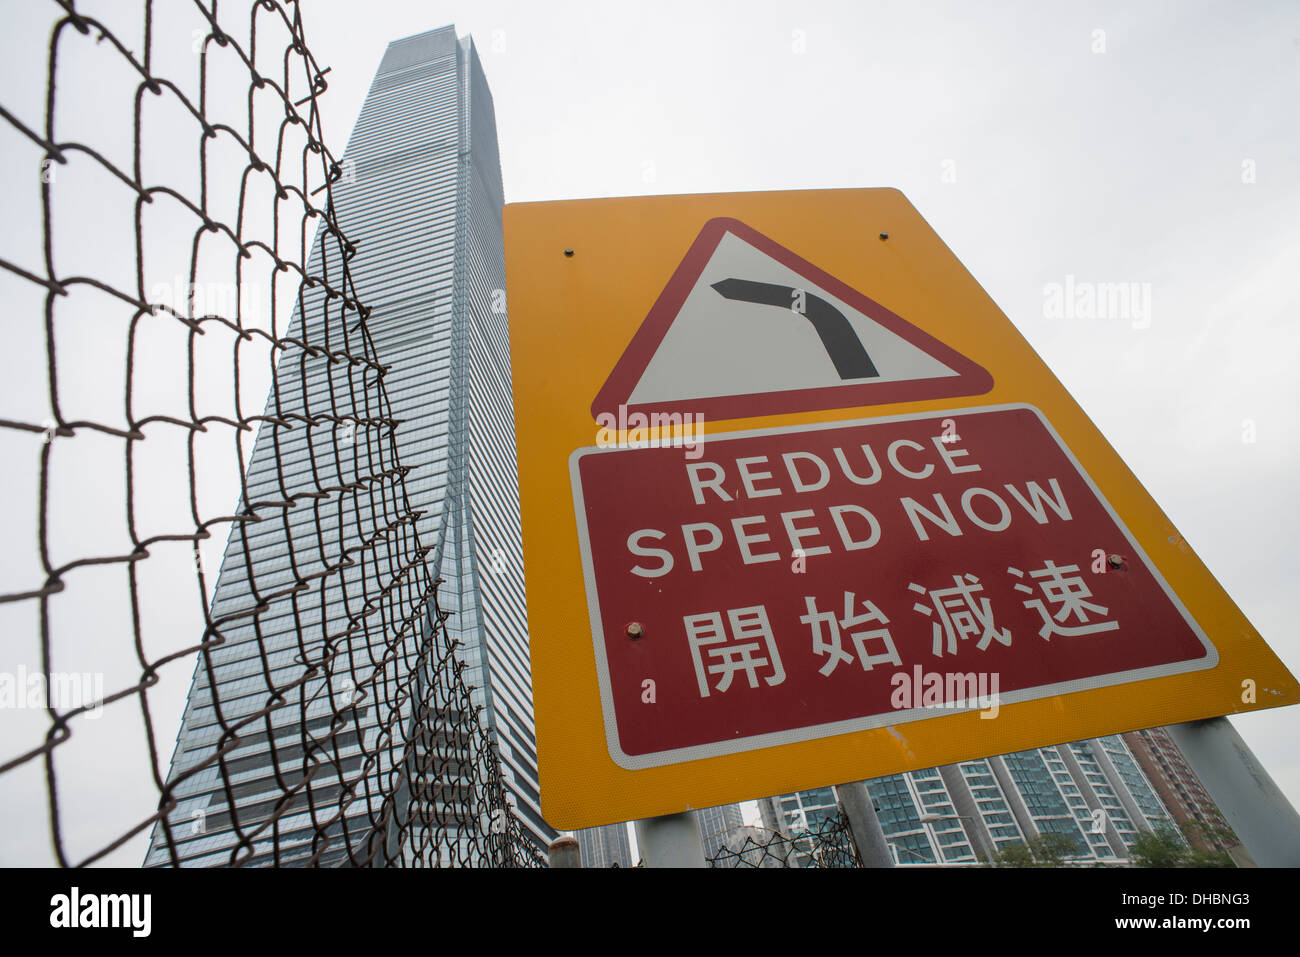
[
  {"x": 358, "y": 742},
  {"x": 827, "y": 843}
]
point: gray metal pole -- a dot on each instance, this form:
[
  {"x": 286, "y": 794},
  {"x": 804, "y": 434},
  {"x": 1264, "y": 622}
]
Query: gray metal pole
[
  {"x": 672, "y": 840},
  {"x": 873, "y": 849},
  {"x": 1248, "y": 797},
  {"x": 564, "y": 852}
]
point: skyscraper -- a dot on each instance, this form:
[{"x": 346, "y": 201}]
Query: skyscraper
[
  {"x": 421, "y": 195},
  {"x": 714, "y": 824},
  {"x": 605, "y": 846}
]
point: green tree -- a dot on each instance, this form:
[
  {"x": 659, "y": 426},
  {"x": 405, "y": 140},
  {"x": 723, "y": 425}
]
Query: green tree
[
  {"x": 1212, "y": 832},
  {"x": 1163, "y": 848},
  {"x": 1013, "y": 855},
  {"x": 1200, "y": 858},
  {"x": 1166, "y": 848},
  {"x": 1045, "y": 850}
]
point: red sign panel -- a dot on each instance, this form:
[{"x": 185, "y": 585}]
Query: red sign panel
[{"x": 788, "y": 584}]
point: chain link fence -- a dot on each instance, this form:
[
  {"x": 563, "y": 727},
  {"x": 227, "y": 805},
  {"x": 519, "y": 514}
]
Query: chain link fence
[
  {"x": 826, "y": 844},
  {"x": 151, "y": 303}
]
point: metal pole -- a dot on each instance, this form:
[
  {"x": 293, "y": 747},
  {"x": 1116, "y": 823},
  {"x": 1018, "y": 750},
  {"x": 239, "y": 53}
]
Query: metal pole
[
  {"x": 672, "y": 840},
  {"x": 564, "y": 852},
  {"x": 1253, "y": 804},
  {"x": 873, "y": 850}
]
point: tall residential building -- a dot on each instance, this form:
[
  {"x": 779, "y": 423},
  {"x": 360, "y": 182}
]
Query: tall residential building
[
  {"x": 1182, "y": 791},
  {"x": 1093, "y": 792},
  {"x": 605, "y": 846},
  {"x": 421, "y": 196}
]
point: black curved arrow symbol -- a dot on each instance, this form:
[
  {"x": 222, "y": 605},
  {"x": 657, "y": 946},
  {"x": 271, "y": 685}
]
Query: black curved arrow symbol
[{"x": 835, "y": 331}]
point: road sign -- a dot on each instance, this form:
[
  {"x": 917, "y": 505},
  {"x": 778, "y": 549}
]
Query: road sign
[{"x": 800, "y": 506}]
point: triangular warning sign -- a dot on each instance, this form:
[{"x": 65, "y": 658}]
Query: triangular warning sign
[{"x": 747, "y": 328}]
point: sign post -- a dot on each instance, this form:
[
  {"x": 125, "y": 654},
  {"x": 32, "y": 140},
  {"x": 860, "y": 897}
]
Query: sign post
[
  {"x": 1250, "y": 800},
  {"x": 868, "y": 836},
  {"x": 670, "y": 840},
  {"x": 800, "y": 506}
]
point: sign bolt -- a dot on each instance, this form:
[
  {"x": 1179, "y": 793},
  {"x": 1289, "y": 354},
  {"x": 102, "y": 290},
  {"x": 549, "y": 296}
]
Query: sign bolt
[
  {"x": 568, "y": 252},
  {"x": 884, "y": 236},
  {"x": 1116, "y": 561},
  {"x": 634, "y": 629}
]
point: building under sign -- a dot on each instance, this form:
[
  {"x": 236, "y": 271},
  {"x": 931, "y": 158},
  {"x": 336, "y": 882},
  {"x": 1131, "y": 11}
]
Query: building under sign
[{"x": 1093, "y": 792}]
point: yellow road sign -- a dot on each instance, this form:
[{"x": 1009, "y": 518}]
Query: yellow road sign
[{"x": 801, "y": 506}]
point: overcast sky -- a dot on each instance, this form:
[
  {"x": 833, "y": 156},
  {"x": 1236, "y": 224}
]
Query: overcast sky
[{"x": 1152, "y": 143}]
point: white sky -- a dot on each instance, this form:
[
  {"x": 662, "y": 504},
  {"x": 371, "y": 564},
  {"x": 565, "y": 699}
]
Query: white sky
[
  {"x": 1122, "y": 166},
  {"x": 1116, "y": 166}
]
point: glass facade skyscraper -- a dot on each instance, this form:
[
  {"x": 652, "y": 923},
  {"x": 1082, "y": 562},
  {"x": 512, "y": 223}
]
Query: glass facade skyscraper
[
  {"x": 715, "y": 823},
  {"x": 421, "y": 195},
  {"x": 607, "y": 846}
]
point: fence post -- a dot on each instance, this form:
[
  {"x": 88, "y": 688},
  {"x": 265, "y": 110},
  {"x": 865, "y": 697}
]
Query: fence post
[
  {"x": 868, "y": 837},
  {"x": 564, "y": 852},
  {"x": 672, "y": 840}
]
